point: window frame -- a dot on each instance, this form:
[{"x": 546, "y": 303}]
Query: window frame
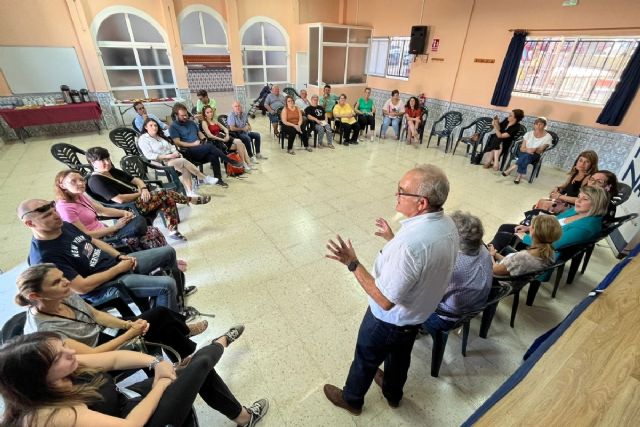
[
  {"x": 134, "y": 46},
  {"x": 389, "y": 41},
  {"x": 346, "y": 45},
  {"x": 553, "y": 94},
  {"x": 201, "y": 9}
]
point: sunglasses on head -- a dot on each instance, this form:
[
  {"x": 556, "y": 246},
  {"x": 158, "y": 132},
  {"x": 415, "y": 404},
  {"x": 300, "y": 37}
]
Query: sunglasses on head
[{"x": 41, "y": 209}]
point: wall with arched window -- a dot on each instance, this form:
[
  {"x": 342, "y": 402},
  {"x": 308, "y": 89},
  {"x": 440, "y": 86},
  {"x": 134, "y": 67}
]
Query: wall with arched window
[
  {"x": 265, "y": 54},
  {"x": 134, "y": 54}
]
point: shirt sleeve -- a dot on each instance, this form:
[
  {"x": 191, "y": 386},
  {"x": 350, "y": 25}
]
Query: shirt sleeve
[
  {"x": 145, "y": 146},
  {"x": 510, "y": 262},
  {"x": 213, "y": 103},
  {"x": 173, "y": 131},
  {"x": 101, "y": 187},
  {"x": 68, "y": 211},
  {"x": 400, "y": 274}
]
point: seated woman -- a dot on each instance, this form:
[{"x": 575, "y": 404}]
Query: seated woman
[
  {"x": 564, "y": 196},
  {"x": 118, "y": 186},
  {"x": 44, "y": 383},
  {"x": 78, "y": 209},
  {"x": 470, "y": 282},
  {"x": 212, "y": 129},
  {"x": 54, "y": 307},
  {"x": 534, "y": 143},
  {"x": 413, "y": 113},
  {"x": 346, "y": 115},
  {"x": 392, "y": 112},
  {"x": 544, "y": 230},
  {"x": 608, "y": 181},
  {"x": 154, "y": 147},
  {"x": 580, "y": 224},
  {"x": 291, "y": 118},
  {"x": 500, "y": 141},
  {"x": 366, "y": 111}
]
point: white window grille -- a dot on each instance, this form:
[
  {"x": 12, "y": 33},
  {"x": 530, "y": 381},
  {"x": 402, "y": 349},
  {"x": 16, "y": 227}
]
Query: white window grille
[
  {"x": 389, "y": 57},
  {"x": 264, "y": 57},
  {"x": 202, "y": 33},
  {"x": 577, "y": 69},
  {"x": 135, "y": 58}
]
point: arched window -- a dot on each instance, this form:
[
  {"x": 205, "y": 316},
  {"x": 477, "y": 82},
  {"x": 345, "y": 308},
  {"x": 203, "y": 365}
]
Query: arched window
[
  {"x": 265, "y": 55},
  {"x": 202, "y": 32},
  {"x": 135, "y": 58}
]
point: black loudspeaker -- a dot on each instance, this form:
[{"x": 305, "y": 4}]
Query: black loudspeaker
[{"x": 419, "y": 37}]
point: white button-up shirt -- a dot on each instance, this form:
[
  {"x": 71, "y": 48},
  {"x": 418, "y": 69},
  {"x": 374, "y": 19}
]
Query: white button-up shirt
[{"x": 413, "y": 269}]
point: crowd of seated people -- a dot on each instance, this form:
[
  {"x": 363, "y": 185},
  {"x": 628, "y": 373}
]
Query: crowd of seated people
[{"x": 71, "y": 265}]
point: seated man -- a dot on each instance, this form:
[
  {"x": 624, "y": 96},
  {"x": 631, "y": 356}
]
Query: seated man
[
  {"x": 328, "y": 101},
  {"x": 90, "y": 264},
  {"x": 317, "y": 117},
  {"x": 203, "y": 99},
  {"x": 239, "y": 124},
  {"x": 274, "y": 101},
  {"x": 186, "y": 135},
  {"x": 470, "y": 283},
  {"x": 142, "y": 115}
]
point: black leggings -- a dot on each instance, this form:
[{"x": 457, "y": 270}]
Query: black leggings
[
  {"x": 350, "y": 132},
  {"x": 198, "y": 377},
  {"x": 290, "y": 133},
  {"x": 506, "y": 236},
  {"x": 365, "y": 120},
  {"x": 165, "y": 327}
]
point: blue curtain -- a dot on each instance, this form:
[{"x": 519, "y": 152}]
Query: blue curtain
[
  {"x": 509, "y": 71},
  {"x": 626, "y": 89}
]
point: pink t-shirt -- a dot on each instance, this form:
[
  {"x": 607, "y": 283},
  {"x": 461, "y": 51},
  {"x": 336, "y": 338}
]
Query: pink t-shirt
[{"x": 80, "y": 210}]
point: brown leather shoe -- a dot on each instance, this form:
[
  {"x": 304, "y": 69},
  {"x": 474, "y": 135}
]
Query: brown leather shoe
[
  {"x": 334, "y": 394},
  {"x": 378, "y": 379}
]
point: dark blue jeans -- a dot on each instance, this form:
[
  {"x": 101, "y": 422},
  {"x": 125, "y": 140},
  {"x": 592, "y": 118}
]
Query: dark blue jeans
[
  {"x": 207, "y": 153},
  {"x": 137, "y": 227},
  {"x": 247, "y": 138},
  {"x": 379, "y": 342},
  {"x": 524, "y": 160},
  {"x": 436, "y": 323}
]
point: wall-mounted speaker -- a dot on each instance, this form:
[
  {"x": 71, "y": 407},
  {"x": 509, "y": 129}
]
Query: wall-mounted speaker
[{"x": 419, "y": 38}]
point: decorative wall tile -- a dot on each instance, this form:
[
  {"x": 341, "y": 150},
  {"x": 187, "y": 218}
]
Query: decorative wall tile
[
  {"x": 240, "y": 93},
  {"x": 612, "y": 147},
  {"x": 210, "y": 79}
]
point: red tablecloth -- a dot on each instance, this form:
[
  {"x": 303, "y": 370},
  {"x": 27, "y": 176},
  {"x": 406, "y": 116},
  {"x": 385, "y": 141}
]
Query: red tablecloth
[{"x": 51, "y": 115}]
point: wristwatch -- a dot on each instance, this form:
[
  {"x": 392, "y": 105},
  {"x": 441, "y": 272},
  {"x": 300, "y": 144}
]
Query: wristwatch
[{"x": 353, "y": 265}]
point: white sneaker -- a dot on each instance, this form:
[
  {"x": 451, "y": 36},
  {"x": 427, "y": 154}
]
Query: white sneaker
[
  {"x": 192, "y": 194},
  {"x": 210, "y": 180},
  {"x": 371, "y": 138},
  {"x": 254, "y": 160}
]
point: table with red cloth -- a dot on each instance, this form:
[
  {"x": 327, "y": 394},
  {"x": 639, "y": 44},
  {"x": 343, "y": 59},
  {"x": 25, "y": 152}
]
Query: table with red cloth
[{"x": 18, "y": 119}]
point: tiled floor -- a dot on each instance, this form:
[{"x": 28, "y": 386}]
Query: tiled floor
[{"x": 257, "y": 255}]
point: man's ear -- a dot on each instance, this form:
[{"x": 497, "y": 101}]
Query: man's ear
[{"x": 29, "y": 223}]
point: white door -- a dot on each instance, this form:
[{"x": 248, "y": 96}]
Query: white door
[{"x": 302, "y": 70}]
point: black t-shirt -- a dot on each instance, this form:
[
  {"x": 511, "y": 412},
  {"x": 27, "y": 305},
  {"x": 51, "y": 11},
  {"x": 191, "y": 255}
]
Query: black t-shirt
[
  {"x": 108, "y": 188},
  {"x": 316, "y": 112},
  {"x": 72, "y": 252}
]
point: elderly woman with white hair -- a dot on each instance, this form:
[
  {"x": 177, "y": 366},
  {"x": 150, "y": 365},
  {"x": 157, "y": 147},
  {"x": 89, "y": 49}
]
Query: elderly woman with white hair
[{"x": 470, "y": 282}]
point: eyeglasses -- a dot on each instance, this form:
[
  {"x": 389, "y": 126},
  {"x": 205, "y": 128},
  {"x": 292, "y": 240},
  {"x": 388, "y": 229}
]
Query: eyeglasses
[
  {"x": 41, "y": 209},
  {"x": 599, "y": 181},
  {"x": 401, "y": 192}
]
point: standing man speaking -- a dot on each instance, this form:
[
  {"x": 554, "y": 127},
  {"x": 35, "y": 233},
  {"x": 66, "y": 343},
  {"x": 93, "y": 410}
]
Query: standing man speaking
[{"x": 409, "y": 277}]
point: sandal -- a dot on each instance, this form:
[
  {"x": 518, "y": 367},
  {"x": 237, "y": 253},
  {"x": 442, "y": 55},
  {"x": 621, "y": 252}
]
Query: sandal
[
  {"x": 202, "y": 200},
  {"x": 176, "y": 235},
  {"x": 197, "y": 328},
  {"x": 232, "y": 334}
]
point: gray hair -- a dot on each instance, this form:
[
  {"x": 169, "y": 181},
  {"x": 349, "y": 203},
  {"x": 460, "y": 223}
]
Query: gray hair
[
  {"x": 434, "y": 185},
  {"x": 470, "y": 230}
]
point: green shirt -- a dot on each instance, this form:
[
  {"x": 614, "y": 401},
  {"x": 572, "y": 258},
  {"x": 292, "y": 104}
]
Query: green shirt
[
  {"x": 329, "y": 102},
  {"x": 365, "y": 106},
  {"x": 200, "y": 105}
]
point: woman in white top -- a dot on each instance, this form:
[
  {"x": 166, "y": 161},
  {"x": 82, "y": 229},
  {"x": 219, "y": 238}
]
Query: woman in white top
[
  {"x": 154, "y": 147},
  {"x": 533, "y": 145},
  {"x": 392, "y": 112}
]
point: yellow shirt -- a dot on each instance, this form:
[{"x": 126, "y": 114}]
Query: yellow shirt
[{"x": 346, "y": 109}]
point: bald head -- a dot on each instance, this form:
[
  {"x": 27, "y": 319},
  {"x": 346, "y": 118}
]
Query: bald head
[{"x": 29, "y": 205}]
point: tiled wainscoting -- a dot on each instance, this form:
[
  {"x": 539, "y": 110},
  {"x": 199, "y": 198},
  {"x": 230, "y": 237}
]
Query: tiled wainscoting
[
  {"x": 612, "y": 147},
  {"x": 210, "y": 79}
]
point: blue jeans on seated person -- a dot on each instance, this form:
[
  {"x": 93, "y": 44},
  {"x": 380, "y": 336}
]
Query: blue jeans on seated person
[
  {"x": 379, "y": 342},
  {"x": 436, "y": 323},
  {"x": 273, "y": 117},
  {"x": 395, "y": 124},
  {"x": 162, "y": 288},
  {"x": 247, "y": 138},
  {"x": 524, "y": 160},
  {"x": 137, "y": 227}
]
